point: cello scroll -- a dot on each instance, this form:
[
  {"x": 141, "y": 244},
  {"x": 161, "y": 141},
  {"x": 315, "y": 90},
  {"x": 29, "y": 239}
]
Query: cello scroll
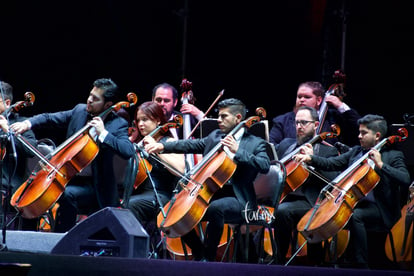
[{"x": 29, "y": 99}]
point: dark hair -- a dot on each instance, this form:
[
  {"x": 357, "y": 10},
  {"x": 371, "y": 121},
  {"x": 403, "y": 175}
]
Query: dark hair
[
  {"x": 7, "y": 90},
  {"x": 312, "y": 111},
  {"x": 152, "y": 110},
  {"x": 317, "y": 88},
  {"x": 236, "y": 106},
  {"x": 111, "y": 91},
  {"x": 375, "y": 123},
  {"x": 166, "y": 85}
]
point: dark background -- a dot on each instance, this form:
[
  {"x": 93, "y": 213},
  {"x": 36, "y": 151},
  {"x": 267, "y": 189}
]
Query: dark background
[{"x": 258, "y": 51}]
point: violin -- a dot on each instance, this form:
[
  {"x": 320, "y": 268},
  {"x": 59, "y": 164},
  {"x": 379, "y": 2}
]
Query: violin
[
  {"x": 44, "y": 187},
  {"x": 296, "y": 173},
  {"x": 402, "y": 233},
  {"x": 186, "y": 208},
  {"x": 157, "y": 133},
  {"x": 330, "y": 215},
  {"x": 336, "y": 89}
]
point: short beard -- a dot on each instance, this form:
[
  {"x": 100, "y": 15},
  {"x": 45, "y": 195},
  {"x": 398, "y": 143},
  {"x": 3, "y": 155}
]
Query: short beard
[{"x": 303, "y": 139}]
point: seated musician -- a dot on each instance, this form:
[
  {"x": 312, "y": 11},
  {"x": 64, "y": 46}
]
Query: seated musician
[
  {"x": 229, "y": 203},
  {"x": 96, "y": 187},
  {"x": 381, "y": 206},
  {"x": 296, "y": 203},
  {"x": 144, "y": 202},
  {"x": 10, "y": 182}
]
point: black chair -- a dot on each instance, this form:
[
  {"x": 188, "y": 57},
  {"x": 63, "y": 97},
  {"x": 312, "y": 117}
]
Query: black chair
[{"x": 268, "y": 189}]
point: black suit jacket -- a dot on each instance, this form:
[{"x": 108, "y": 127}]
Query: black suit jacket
[
  {"x": 251, "y": 158},
  {"x": 284, "y": 126},
  {"x": 22, "y": 172},
  {"x": 393, "y": 176},
  {"x": 116, "y": 142}
]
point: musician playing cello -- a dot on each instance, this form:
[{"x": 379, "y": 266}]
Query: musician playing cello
[
  {"x": 95, "y": 187},
  {"x": 22, "y": 152},
  {"x": 237, "y": 195},
  {"x": 381, "y": 206},
  {"x": 298, "y": 202},
  {"x": 144, "y": 202}
]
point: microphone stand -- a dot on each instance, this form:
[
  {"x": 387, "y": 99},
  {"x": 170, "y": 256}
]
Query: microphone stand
[
  {"x": 145, "y": 155},
  {"x": 315, "y": 208},
  {"x": 6, "y": 193}
]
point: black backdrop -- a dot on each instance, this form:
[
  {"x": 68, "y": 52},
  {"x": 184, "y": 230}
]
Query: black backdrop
[{"x": 258, "y": 51}]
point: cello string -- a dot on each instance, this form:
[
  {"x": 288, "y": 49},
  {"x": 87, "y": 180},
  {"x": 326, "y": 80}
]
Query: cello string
[
  {"x": 37, "y": 153},
  {"x": 324, "y": 179},
  {"x": 170, "y": 167}
]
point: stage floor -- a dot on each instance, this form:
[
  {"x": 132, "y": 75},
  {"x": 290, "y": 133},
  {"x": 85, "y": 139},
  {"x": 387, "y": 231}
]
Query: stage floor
[
  {"x": 30, "y": 253},
  {"x": 24, "y": 263}
]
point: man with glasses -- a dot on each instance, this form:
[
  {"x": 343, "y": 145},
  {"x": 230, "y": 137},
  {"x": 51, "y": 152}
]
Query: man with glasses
[
  {"x": 300, "y": 201},
  {"x": 339, "y": 113}
]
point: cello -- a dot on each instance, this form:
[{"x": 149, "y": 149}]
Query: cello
[
  {"x": 187, "y": 208},
  {"x": 402, "y": 233},
  {"x": 330, "y": 214},
  {"x": 143, "y": 164},
  {"x": 29, "y": 99},
  {"x": 296, "y": 173},
  {"x": 44, "y": 187}
]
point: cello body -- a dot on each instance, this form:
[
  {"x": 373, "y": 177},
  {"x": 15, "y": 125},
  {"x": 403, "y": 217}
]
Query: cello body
[
  {"x": 402, "y": 233},
  {"x": 175, "y": 245},
  {"x": 191, "y": 203},
  {"x": 46, "y": 185},
  {"x": 338, "y": 207}
]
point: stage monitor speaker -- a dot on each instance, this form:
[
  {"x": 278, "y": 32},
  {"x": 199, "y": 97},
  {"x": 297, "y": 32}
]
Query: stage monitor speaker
[
  {"x": 110, "y": 232},
  {"x": 31, "y": 241}
]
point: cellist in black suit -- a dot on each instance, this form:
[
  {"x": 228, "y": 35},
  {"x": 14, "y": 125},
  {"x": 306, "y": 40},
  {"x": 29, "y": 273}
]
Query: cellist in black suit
[
  {"x": 95, "y": 187},
  {"x": 229, "y": 203},
  {"x": 380, "y": 208},
  {"x": 298, "y": 202}
]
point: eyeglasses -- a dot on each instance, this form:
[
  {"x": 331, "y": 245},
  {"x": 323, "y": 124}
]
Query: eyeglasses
[{"x": 303, "y": 123}]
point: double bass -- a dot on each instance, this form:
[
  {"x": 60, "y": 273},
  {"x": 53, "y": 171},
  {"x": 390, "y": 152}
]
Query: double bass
[
  {"x": 330, "y": 214},
  {"x": 336, "y": 89},
  {"x": 186, "y": 209},
  {"x": 44, "y": 187},
  {"x": 186, "y": 98}
]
